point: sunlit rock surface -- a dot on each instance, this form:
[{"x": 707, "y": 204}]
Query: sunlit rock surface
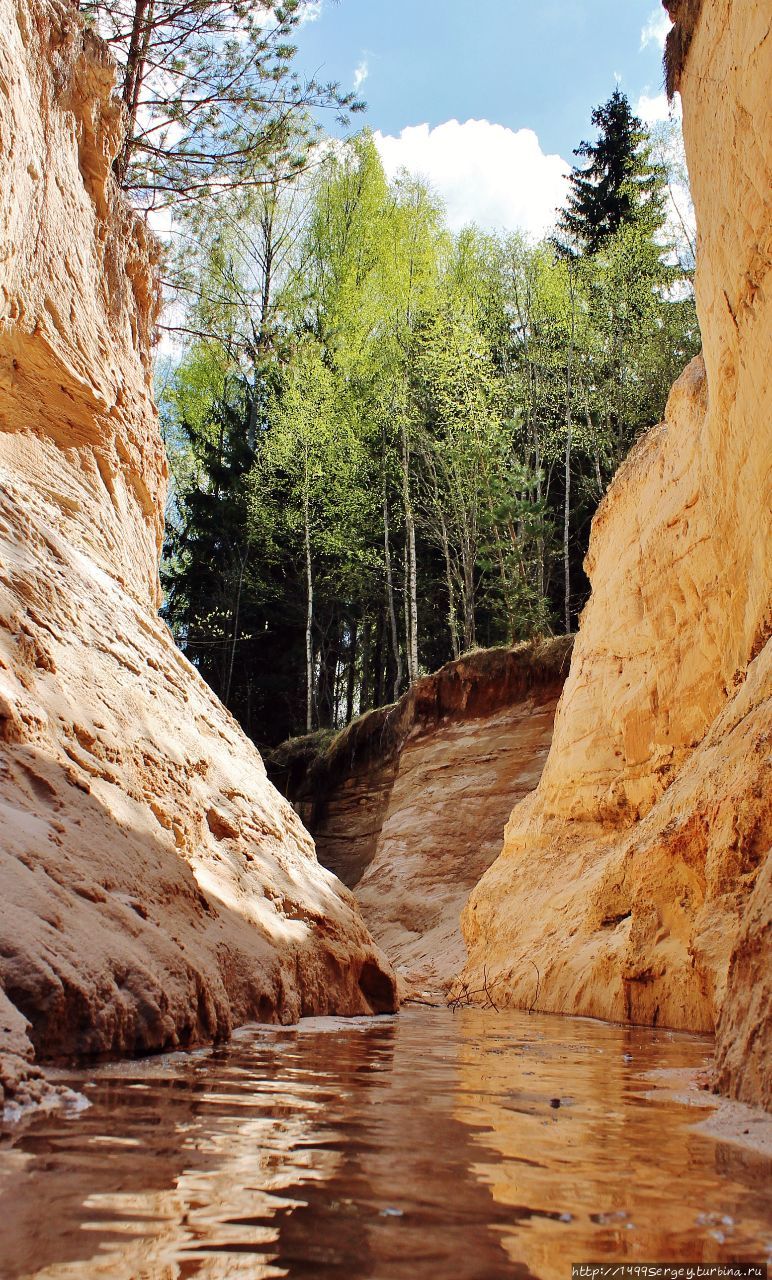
[
  {"x": 156, "y": 889},
  {"x": 625, "y": 888},
  {"x": 408, "y": 804}
]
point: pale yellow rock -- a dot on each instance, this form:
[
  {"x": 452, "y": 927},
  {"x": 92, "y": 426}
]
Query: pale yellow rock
[
  {"x": 156, "y": 888},
  {"x": 441, "y": 827},
  {"x": 624, "y": 878},
  {"x": 408, "y": 804}
]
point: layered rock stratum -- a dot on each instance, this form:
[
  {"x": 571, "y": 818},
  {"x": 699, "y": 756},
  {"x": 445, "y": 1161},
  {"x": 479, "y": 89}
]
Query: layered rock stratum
[
  {"x": 634, "y": 883},
  {"x": 408, "y": 804},
  {"x": 156, "y": 888}
]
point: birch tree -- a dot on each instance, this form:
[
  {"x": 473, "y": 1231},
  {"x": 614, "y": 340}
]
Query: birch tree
[{"x": 311, "y": 446}]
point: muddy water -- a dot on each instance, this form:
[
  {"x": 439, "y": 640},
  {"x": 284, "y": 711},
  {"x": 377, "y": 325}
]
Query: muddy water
[{"x": 424, "y": 1147}]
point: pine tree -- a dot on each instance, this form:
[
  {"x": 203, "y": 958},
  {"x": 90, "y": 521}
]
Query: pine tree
[
  {"x": 212, "y": 99},
  {"x": 617, "y": 184}
]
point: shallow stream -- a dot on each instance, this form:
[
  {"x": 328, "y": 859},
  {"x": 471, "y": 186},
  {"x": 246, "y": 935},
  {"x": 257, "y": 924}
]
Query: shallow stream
[{"x": 427, "y": 1146}]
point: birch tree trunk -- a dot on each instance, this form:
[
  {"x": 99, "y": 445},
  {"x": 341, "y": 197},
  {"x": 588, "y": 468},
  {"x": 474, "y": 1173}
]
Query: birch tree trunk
[
  {"x": 452, "y": 620},
  {"x": 235, "y": 633},
  {"x": 309, "y": 621},
  {"x": 351, "y": 670},
  {"x": 470, "y": 636},
  {"x": 413, "y": 599},
  {"x": 569, "y": 432},
  {"x": 411, "y": 576},
  {"x": 390, "y": 594}
]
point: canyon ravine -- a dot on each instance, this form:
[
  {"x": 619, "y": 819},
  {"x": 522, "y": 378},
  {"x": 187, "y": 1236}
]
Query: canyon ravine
[{"x": 158, "y": 890}]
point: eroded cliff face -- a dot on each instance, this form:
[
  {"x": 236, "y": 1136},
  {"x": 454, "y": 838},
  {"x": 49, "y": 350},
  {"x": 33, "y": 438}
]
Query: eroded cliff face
[
  {"x": 156, "y": 888},
  {"x": 627, "y": 879},
  {"x": 409, "y": 803}
]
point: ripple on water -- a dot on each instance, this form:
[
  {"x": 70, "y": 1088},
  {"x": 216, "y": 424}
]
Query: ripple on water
[{"x": 430, "y": 1145}]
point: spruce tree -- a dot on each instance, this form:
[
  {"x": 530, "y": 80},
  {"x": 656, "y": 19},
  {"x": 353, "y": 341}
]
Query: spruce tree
[
  {"x": 616, "y": 184},
  {"x": 207, "y": 544}
]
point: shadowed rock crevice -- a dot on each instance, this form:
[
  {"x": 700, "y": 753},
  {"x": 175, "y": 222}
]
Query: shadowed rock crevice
[{"x": 684, "y": 15}]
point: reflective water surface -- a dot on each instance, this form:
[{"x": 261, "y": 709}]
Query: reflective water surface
[{"x": 430, "y": 1145}]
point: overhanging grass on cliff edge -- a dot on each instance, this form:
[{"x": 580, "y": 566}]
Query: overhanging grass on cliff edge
[
  {"x": 476, "y": 684},
  {"x": 684, "y": 14}
]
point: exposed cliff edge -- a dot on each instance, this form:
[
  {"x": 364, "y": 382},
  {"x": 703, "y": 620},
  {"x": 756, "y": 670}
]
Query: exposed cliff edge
[
  {"x": 157, "y": 890},
  {"x": 634, "y": 878},
  {"x": 408, "y": 804}
]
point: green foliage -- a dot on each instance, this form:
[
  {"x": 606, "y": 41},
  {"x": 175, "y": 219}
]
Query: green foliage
[
  {"x": 619, "y": 184},
  {"x": 211, "y": 96},
  {"x": 207, "y": 553},
  {"x": 388, "y": 442}
]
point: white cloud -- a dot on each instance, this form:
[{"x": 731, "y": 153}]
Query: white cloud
[
  {"x": 668, "y": 150},
  {"x": 485, "y": 173},
  {"x": 653, "y": 108},
  {"x": 360, "y": 75},
  {"x": 656, "y": 29},
  {"x": 311, "y": 10}
]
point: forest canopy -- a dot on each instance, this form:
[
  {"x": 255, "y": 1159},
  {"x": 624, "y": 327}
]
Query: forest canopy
[{"x": 388, "y": 441}]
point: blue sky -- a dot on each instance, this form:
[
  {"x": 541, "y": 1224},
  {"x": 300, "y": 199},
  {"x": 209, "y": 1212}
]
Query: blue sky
[{"x": 522, "y": 65}]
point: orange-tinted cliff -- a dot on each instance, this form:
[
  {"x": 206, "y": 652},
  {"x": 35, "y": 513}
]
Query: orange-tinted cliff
[
  {"x": 635, "y": 877},
  {"x": 408, "y": 804},
  {"x": 156, "y": 889}
]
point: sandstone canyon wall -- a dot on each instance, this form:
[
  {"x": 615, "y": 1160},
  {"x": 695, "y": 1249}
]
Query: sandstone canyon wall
[
  {"x": 408, "y": 804},
  {"x": 156, "y": 889},
  {"x": 636, "y": 877}
]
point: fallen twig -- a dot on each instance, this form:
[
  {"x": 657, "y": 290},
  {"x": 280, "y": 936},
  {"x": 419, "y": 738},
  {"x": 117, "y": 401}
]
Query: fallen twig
[
  {"x": 487, "y": 992},
  {"x": 538, "y": 984}
]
